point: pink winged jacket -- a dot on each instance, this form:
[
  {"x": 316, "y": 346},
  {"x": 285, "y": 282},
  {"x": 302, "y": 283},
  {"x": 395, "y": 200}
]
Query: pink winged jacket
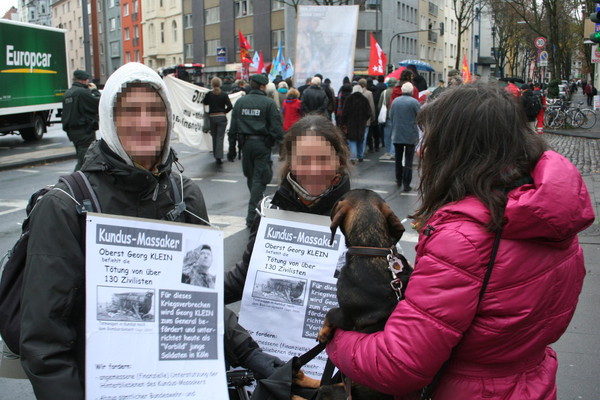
[{"x": 498, "y": 348}]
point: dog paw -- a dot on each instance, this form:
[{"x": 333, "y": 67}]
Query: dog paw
[{"x": 305, "y": 381}]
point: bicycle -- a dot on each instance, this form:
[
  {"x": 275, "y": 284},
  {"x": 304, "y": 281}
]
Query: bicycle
[{"x": 586, "y": 116}]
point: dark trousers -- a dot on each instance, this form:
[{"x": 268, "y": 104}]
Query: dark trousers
[
  {"x": 590, "y": 100},
  {"x": 374, "y": 138},
  {"x": 82, "y": 139},
  {"x": 404, "y": 172},
  {"x": 217, "y": 131},
  {"x": 257, "y": 168}
]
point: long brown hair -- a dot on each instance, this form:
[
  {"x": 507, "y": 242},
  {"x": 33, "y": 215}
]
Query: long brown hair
[
  {"x": 319, "y": 126},
  {"x": 476, "y": 142}
]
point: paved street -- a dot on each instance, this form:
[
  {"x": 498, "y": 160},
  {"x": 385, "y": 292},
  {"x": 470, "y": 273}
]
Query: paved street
[{"x": 226, "y": 196}]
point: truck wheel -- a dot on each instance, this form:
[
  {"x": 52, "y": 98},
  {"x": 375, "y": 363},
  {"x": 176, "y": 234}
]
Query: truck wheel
[{"x": 35, "y": 133}]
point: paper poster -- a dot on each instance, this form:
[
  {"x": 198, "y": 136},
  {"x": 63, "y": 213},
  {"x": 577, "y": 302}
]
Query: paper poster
[
  {"x": 291, "y": 284},
  {"x": 154, "y": 322}
]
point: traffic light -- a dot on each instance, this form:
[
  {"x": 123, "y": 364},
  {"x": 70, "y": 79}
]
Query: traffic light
[{"x": 595, "y": 17}]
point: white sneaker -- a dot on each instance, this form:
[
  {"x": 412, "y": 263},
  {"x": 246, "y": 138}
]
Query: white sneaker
[{"x": 386, "y": 156}]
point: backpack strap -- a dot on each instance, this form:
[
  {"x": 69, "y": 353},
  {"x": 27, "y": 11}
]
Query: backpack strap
[
  {"x": 177, "y": 212},
  {"x": 80, "y": 187}
]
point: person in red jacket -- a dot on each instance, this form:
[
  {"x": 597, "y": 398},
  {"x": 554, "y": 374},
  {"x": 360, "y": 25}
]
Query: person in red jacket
[
  {"x": 482, "y": 172},
  {"x": 291, "y": 109}
]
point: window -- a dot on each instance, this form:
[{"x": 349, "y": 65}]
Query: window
[
  {"x": 187, "y": 21},
  {"x": 276, "y": 5},
  {"x": 126, "y": 9},
  {"x": 361, "y": 39},
  {"x": 99, "y": 27},
  {"x": 423, "y": 22},
  {"x": 151, "y": 35},
  {"x": 189, "y": 50},
  {"x": 160, "y": 4},
  {"x": 68, "y": 6},
  {"x": 422, "y": 55},
  {"x": 111, "y": 3},
  {"x": 71, "y": 26},
  {"x": 243, "y": 8},
  {"x": 162, "y": 32},
  {"x": 211, "y": 47},
  {"x": 127, "y": 34},
  {"x": 79, "y": 21},
  {"x": 71, "y": 44},
  {"x": 212, "y": 15},
  {"x": 135, "y": 6},
  {"x": 114, "y": 49},
  {"x": 137, "y": 56},
  {"x": 276, "y": 36},
  {"x": 174, "y": 30},
  {"x": 113, "y": 24},
  {"x": 127, "y": 57},
  {"x": 136, "y": 31}
]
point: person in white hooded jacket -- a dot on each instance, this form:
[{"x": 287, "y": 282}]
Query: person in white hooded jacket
[{"x": 129, "y": 170}]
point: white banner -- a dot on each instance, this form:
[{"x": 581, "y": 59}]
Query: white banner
[
  {"x": 154, "y": 316},
  {"x": 188, "y": 112},
  {"x": 291, "y": 284},
  {"x": 325, "y": 43}
]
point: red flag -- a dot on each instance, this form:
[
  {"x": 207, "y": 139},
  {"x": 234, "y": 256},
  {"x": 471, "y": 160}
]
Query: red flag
[
  {"x": 261, "y": 64},
  {"x": 378, "y": 59},
  {"x": 466, "y": 72},
  {"x": 244, "y": 49}
]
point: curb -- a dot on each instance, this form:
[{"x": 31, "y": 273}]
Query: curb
[{"x": 30, "y": 159}]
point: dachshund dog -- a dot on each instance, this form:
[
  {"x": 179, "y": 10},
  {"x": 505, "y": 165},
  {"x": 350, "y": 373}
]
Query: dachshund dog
[{"x": 365, "y": 296}]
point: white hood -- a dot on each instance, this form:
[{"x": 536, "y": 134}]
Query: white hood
[{"x": 128, "y": 73}]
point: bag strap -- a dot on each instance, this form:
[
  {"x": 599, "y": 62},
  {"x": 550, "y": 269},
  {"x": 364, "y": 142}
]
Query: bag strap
[
  {"x": 310, "y": 354},
  {"x": 177, "y": 211},
  {"x": 79, "y": 185}
]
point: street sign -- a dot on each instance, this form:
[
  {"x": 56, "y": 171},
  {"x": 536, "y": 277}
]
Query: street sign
[
  {"x": 595, "y": 54},
  {"x": 543, "y": 58},
  {"x": 540, "y": 42},
  {"x": 221, "y": 54}
]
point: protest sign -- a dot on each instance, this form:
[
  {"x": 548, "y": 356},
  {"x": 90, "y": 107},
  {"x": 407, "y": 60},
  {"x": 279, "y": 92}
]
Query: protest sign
[
  {"x": 188, "y": 113},
  {"x": 154, "y": 316},
  {"x": 291, "y": 283}
]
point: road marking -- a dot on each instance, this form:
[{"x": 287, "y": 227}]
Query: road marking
[
  {"x": 31, "y": 171},
  {"x": 387, "y": 161},
  {"x": 12, "y": 205},
  {"x": 196, "y": 179},
  {"x": 48, "y": 145},
  {"x": 230, "y": 225},
  {"x": 410, "y": 237},
  {"x": 224, "y": 180},
  {"x": 381, "y": 191},
  {"x": 272, "y": 185},
  {"x": 409, "y": 194}
]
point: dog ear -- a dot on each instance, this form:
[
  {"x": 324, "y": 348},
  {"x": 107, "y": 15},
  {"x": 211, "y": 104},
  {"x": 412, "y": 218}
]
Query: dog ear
[
  {"x": 394, "y": 225},
  {"x": 338, "y": 214}
]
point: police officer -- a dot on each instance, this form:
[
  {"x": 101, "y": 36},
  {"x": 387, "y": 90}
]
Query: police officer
[
  {"x": 80, "y": 113},
  {"x": 256, "y": 125}
]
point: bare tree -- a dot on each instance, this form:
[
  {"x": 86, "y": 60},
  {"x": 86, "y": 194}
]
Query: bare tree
[{"x": 464, "y": 12}]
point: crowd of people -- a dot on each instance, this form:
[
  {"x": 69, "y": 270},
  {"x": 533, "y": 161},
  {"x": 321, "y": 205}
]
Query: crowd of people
[{"x": 483, "y": 174}]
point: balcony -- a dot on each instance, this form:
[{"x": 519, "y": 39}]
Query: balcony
[
  {"x": 134, "y": 17},
  {"x": 433, "y": 9},
  {"x": 135, "y": 42},
  {"x": 432, "y": 36}
]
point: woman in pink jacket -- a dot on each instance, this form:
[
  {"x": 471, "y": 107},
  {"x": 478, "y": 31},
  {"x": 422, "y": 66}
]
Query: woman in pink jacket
[{"x": 476, "y": 143}]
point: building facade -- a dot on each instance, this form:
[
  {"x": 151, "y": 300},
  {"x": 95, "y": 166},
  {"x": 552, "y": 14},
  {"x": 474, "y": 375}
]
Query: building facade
[
  {"x": 131, "y": 33},
  {"x": 36, "y": 12},
  {"x": 162, "y": 32},
  {"x": 66, "y": 14}
]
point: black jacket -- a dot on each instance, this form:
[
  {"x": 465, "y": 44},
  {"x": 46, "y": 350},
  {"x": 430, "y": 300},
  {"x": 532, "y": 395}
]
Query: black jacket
[
  {"x": 80, "y": 108},
  {"x": 285, "y": 199},
  {"x": 53, "y": 301},
  {"x": 314, "y": 100}
]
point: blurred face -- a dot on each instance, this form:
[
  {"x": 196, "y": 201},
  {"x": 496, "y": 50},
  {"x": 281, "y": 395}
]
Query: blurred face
[
  {"x": 141, "y": 120},
  {"x": 314, "y": 163}
]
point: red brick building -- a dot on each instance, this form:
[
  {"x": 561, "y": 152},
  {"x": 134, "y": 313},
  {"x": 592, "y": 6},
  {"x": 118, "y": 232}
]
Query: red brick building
[{"x": 131, "y": 22}]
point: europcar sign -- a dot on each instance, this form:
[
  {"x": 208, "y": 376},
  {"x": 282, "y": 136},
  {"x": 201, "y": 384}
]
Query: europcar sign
[{"x": 33, "y": 65}]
